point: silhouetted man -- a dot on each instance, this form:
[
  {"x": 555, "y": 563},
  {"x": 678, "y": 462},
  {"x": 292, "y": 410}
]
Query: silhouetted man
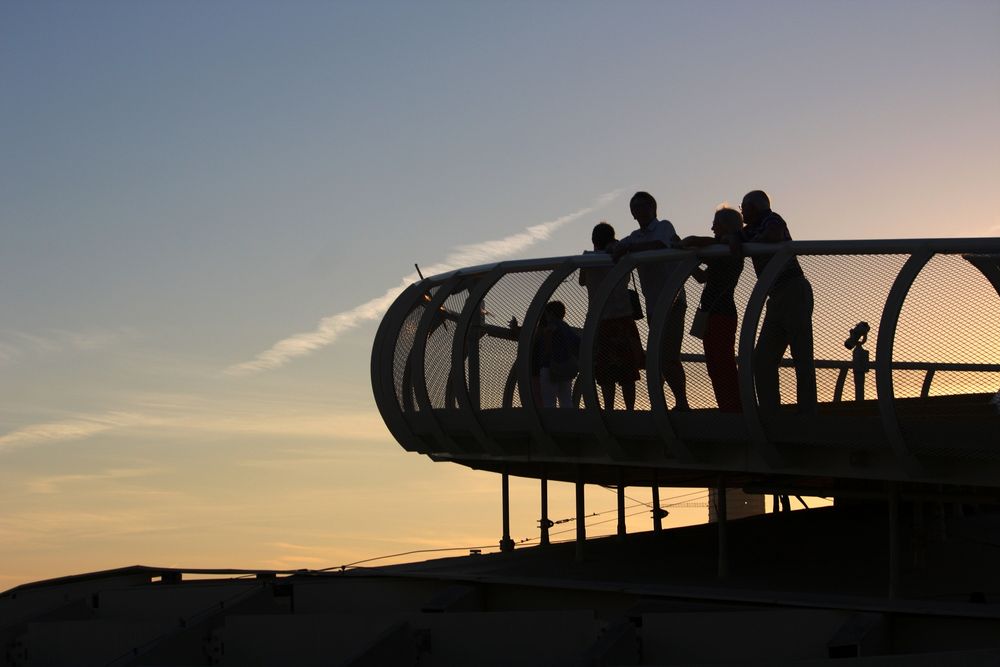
[
  {"x": 656, "y": 234},
  {"x": 788, "y": 320}
]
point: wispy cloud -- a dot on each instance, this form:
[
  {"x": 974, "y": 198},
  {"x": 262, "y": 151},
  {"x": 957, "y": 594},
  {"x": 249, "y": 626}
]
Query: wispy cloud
[
  {"x": 331, "y": 327},
  {"x": 52, "y": 483},
  {"x": 69, "y": 429},
  {"x": 16, "y": 344}
]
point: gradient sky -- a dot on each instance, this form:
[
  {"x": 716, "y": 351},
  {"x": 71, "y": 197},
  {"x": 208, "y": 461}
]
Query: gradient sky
[{"x": 185, "y": 185}]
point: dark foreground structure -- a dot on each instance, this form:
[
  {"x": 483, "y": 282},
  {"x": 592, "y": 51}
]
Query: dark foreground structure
[{"x": 901, "y": 570}]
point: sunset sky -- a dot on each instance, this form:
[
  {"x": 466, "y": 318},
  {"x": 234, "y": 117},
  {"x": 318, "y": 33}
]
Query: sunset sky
[{"x": 204, "y": 204}]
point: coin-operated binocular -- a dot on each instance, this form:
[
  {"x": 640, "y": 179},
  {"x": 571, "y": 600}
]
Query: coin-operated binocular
[{"x": 859, "y": 361}]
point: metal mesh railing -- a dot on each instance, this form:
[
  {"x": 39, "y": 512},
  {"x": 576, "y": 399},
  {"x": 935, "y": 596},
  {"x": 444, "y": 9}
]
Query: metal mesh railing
[
  {"x": 505, "y": 304},
  {"x": 946, "y": 342}
]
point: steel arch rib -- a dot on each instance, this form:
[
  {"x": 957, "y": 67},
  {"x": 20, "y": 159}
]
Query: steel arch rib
[
  {"x": 476, "y": 296},
  {"x": 748, "y": 341},
  {"x": 587, "y": 344},
  {"x": 883, "y": 358},
  {"x": 524, "y": 352},
  {"x": 418, "y": 356},
  {"x": 684, "y": 264},
  {"x": 383, "y": 356}
]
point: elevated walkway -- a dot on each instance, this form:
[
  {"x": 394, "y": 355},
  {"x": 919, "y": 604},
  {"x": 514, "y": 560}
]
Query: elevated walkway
[{"x": 452, "y": 374}]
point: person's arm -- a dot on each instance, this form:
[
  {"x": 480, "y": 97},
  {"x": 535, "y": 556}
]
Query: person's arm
[{"x": 698, "y": 241}]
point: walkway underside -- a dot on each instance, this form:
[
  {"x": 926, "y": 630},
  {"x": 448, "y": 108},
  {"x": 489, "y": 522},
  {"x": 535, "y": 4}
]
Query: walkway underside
[{"x": 957, "y": 435}]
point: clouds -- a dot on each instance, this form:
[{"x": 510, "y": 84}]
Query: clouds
[
  {"x": 331, "y": 327},
  {"x": 69, "y": 429},
  {"x": 15, "y": 345}
]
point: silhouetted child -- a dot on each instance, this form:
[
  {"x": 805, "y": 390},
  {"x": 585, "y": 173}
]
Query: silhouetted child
[{"x": 558, "y": 357}]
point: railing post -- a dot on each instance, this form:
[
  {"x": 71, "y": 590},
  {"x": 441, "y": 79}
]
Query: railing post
[
  {"x": 506, "y": 544},
  {"x": 544, "y": 524},
  {"x": 884, "y": 353},
  {"x": 621, "y": 504},
  {"x": 657, "y": 512},
  {"x": 747, "y": 341}
]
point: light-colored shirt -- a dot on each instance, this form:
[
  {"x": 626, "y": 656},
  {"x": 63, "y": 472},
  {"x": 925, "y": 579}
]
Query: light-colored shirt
[{"x": 653, "y": 276}]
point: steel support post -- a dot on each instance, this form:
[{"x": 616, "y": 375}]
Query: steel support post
[
  {"x": 657, "y": 518},
  {"x": 621, "y": 505},
  {"x": 543, "y": 538},
  {"x": 506, "y": 544}
]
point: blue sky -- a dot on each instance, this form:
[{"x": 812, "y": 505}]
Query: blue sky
[{"x": 183, "y": 185}]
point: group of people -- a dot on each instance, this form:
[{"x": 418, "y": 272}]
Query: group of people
[{"x": 619, "y": 354}]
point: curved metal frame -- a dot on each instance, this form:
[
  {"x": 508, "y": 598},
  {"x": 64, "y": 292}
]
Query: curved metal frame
[
  {"x": 588, "y": 343},
  {"x": 685, "y": 263},
  {"x": 883, "y": 356},
  {"x": 418, "y": 357},
  {"x": 748, "y": 342},
  {"x": 384, "y": 347},
  {"x": 461, "y": 390},
  {"x": 525, "y": 349}
]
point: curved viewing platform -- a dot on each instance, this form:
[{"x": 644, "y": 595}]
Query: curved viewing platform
[{"x": 913, "y": 401}]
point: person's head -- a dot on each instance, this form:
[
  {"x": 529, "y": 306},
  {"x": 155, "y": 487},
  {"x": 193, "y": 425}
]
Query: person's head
[
  {"x": 727, "y": 221},
  {"x": 555, "y": 310},
  {"x": 643, "y": 208},
  {"x": 755, "y": 206},
  {"x": 602, "y": 235}
]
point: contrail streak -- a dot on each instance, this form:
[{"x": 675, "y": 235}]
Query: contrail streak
[{"x": 331, "y": 327}]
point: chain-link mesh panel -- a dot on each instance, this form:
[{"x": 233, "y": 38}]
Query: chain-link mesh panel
[
  {"x": 437, "y": 358},
  {"x": 951, "y": 315},
  {"x": 491, "y": 343},
  {"x": 847, "y": 290},
  {"x": 574, "y": 297},
  {"x": 619, "y": 349},
  {"x": 402, "y": 382},
  {"x": 701, "y": 393}
]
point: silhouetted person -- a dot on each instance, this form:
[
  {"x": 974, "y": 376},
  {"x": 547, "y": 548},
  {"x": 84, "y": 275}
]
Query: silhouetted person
[
  {"x": 788, "y": 320},
  {"x": 618, "y": 355},
  {"x": 558, "y": 353},
  {"x": 717, "y": 299},
  {"x": 656, "y": 234}
]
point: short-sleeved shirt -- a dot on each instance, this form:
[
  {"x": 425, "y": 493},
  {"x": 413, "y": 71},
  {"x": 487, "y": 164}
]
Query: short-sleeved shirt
[
  {"x": 618, "y": 303},
  {"x": 792, "y": 269},
  {"x": 654, "y": 276},
  {"x": 722, "y": 274}
]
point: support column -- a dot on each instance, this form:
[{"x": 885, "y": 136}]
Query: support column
[
  {"x": 581, "y": 526},
  {"x": 657, "y": 512},
  {"x": 544, "y": 524},
  {"x": 506, "y": 544},
  {"x": 894, "y": 560},
  {"x": 621, "y": 505},
  {"x": 720, "y": 511}
]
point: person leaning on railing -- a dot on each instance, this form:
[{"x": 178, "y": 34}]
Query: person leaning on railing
[
  {"x": 718, "y": 307},
  {"x": 656, "y": 234},
  {"x": 788, "y": 319}
]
